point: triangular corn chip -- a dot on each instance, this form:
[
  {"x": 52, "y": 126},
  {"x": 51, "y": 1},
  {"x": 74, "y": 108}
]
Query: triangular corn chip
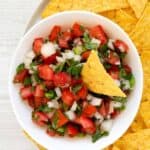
[{"x": 97, "y": 79}]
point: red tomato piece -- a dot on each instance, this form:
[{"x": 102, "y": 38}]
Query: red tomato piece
[
  {"x": 98, "y": 32},
  {"x": 67, "y": 36},
  {"x": 122, "y": 46},
  {"x": 127, "y": 69},
  {"x": 87, "y": 124},
  {"x": 114, "y": 72},
  {"x": 75, "y": 81},
  {"x": 54, "y": 33},
  {"x": 67, "y": 97},
  {"x": 63, "y": 43},
  {"x": 113, "y": 58},
  {"x": 49, "y": 84},
  {"x": 21, "y": 76},
  {"x": 26, "y": 92},
  {"x": 51, "y": 59},
  {"x": 72, "y": 130},
  {"x": 50, "y": 132},
  {"x": 85, "y": 55},
  {"x": 62, "y": 119},
  {"x": 31, "y": 102},
  {"x": 115, "y": 113},
  {"x": 40, "y": 118},
  {"x": 104, "y": 108},
  {"x": 82, "y": 93},
  {"x": 76, "y": 30},
  {"x": 37, "y": 101},
  {"x": 37, "y": 45},
  {"x": 89, "y": 110},
  {"x": 45, "y": 72},
  {"x": 39, "y": 91},
  {"x": 62, "y": 79}
]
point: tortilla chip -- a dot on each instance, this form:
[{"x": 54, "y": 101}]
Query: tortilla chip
[
  {"x": 135, "y": 141},
  {"x": 141, "y": 33},
  {"x": 126, "y": 21},
  {"x": 109, "y": 14},
  {"x": 137, "y": 6},
  {"x": 97, "y": 79},
  {"x": 145, "y": 112},
  {"x": 129, "y": 11}
]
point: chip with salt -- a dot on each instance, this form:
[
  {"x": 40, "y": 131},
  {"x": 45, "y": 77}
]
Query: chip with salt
[
  {"x": 145, "y": 113},
  {"x": 135, "y": 141},
  {"x": 126, "y": 21},
  {"x": 97, "y": 79},
  {"x": 137, "y": 6},
  {"x": 141, "y": 33}
]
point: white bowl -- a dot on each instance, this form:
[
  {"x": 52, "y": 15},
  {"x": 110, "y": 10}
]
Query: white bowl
[{"x": 23, "y": 112}]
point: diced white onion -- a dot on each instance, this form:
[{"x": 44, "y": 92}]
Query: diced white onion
[
  {"x": 96, "y": 41},
  {"x": 58, "y": 91},
  {"x": 96, "y": 101},
  {"x": 117, "y": 104},
  {"x": 68, "y": 55},
  {"x": 33, "y": 81},
  {"x": 56, "y": 46},
  {"x": 48, "y": 49},
  {"x": 117, "y": 82},
  {"x": 110, "y": 44},
  {"x": 70, "y": 114},
  {"x": 107, "y": 125},
  {"x": 60, "y": 59},
  {"x": 53, "y": 104},
  {"x": 121, "y": 48},
  {"x": 89, "y": 97},
  {"x": 77, "y": 57},
  {"x": 74, "y": 106},
  {"x": 117, "y": 62},
  {"x": 126, "y": 84},
  {"x": 27, "y": 62}
]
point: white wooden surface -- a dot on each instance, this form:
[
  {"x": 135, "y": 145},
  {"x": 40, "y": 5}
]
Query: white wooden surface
[{"x": 14, "y": 15}]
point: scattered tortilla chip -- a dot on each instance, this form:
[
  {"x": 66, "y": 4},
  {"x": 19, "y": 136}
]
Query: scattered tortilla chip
[
  {"x": 141, "y": 32},
  {"x": 126, "y": 21},
  {"x": 137, "y": 6},
  {"x": 97, "y": 79},
  {"x": 135, "y": 141},
  {"x": 109, "y": 14},
  {"x": 145, "y": 113},
  {"x": 129, "y": 11}
]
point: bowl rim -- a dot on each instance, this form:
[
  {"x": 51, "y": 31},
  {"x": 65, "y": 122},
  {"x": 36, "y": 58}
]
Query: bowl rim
[{"x": 21, "y": 123}]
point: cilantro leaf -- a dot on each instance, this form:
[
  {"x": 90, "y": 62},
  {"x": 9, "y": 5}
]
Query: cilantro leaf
[{"x": 20, "y": 68}]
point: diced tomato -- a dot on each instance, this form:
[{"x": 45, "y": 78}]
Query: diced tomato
[
  {"x": 76, "y": 30},
  {"x": 39, "y": 91},
  {"x": 62, "y": 79},
  {"x": 114, "y": 72},
  {"x": 49, "y": 84},
  {"x": 67, "y": 97},
  {"x": 98, "y": 32},
  {"x": 26, "y": 92},
  {"x": 122, "y": 46},
  {"x": 45, "y": 72},
  {"x": 75, "y": 81},
  {"x": 31, "y": 102},
  {"x": 113, "y": 58},
  {"x": 21, "y": 76},
  {"x": 67, "y": 36},
  {"x": 82, "y": 93},
  {"x": 44, "y": 100},
  {"x": 37, "y": 45},
  {"x": 40, "y": 118},
  {"x": 115, "y": 113},
  {"x": 87, "y": 124},
  {"x": 62, "y": 119},
  {"x": 37, "y": 101},
  {"x": 89, "y": 110},
  {"x": 54, "y": 33},
  {"x": 63, "y": 43},
  {"x": 127, "y": 69},
  {"x": 85, "y": 55},
  {"x": 72, "y": 130},
  {"x": 50, "y": 132},
  {"x": 104, "y": 108},
  {"x": 50, "y": 60}
]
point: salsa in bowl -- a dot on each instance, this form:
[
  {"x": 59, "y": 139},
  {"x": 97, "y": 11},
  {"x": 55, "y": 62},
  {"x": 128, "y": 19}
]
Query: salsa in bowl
[{"x": 63, "y": 94}]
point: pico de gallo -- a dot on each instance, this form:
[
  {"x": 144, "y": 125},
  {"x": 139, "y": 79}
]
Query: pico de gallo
[{"x": 51, "y": 83}]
